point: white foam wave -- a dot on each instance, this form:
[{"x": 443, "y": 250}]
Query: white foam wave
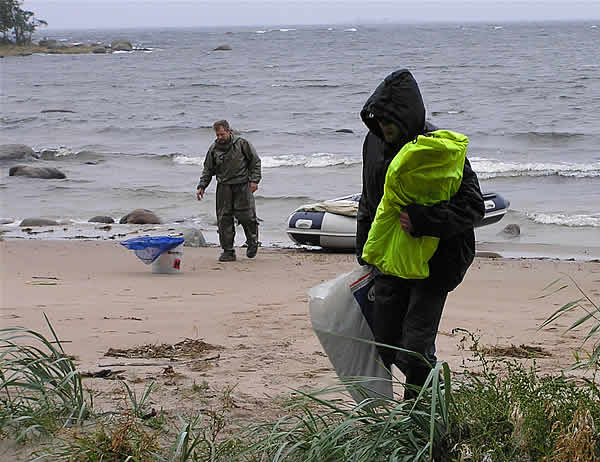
[
  {"x": 282, "y": 161},
  {"x": 561, "y": 219},
  {"x": 487, "y": 168},
  {"x": 351, "y": 29},
  {"x": 260, "y": 31},
  {"x": 186, "y": 160},
  {"x": 319, "y": 160},
  {"x": 61, "y": 151}
]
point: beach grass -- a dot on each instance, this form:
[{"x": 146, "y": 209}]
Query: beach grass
[
  {"x": 40, "y": 389},
  {"x": 493, "y": 409}
]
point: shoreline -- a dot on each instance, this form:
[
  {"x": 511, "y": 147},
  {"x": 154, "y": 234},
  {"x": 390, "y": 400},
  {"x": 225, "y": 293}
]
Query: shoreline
[
  {"x": 28, "y": 50},
  {"x": 98, "y": 232}
]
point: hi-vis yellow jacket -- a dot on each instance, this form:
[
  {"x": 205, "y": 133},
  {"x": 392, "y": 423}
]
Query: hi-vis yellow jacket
[{"x": 425, "y": 171}]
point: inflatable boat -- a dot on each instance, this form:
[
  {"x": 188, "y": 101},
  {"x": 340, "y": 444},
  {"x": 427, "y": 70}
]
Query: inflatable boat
[{"x": 332, "y": 224}]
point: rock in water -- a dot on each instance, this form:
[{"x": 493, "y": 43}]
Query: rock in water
[
  {"x": 101, "y": 219},
  {"x": 16, "y": 152},
  {"x": 38, "y": 222},
  {"x": 121, "y": 45},
  {"x": 512, "y": 230},
  {"x": 140, "y": 217},
  {"x": 46, "y": 173}
]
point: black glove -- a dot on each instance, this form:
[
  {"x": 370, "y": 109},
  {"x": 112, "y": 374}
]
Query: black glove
[{"x": 360, "y": 261}]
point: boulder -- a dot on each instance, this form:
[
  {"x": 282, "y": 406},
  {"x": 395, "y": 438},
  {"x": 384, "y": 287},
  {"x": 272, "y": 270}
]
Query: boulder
[
  {"x": 38, "y": 222},
  {"x": 194, "y": 238},
  {"x": 121, "y": 45},
  {"x": 344, "y": 130},
  {"x": 46, "y": 173},
  {"x": 16, "y": 152},
  {"x": 140, "y": 217},
  {"x": 512, "y": 230},
  {"x": 223, "y": 47},
  {"x": 101, "y": 219},
  {"x": 48, "y": 43}
]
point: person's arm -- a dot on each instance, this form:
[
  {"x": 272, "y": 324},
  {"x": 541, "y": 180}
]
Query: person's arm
[
  {"x": 207, "y": 173},
  {"x": 254, "y": 167},
  {"x": 447, "y": 218},
  {"x": 363, "y": 217}
]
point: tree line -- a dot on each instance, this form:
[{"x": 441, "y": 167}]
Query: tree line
[{"x": 16, "y": 24}]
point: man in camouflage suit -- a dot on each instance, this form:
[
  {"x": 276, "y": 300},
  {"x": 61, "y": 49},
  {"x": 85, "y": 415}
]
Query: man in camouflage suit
[{"x": 234, "y": 162}]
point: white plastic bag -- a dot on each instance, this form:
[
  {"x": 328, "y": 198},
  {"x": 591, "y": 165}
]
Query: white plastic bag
[{"x": 339, "y": 322}]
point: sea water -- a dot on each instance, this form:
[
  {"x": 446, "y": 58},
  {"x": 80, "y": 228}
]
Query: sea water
[{"x": 527, "y": 96}]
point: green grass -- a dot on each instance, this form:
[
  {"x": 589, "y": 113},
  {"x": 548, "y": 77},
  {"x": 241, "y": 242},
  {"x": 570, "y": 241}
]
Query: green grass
[{"x": 40, "y": 389}]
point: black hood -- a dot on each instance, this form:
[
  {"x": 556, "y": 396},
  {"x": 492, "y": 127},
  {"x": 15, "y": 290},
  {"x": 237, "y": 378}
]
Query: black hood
[{"x": 396, "y": 99}]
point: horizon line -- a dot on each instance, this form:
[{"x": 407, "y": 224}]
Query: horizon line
[{"x": 330, "y": 24}]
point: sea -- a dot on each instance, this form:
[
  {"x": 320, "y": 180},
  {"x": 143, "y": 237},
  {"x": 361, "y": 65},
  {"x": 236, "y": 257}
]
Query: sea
[{"x": 139, "y": 123}]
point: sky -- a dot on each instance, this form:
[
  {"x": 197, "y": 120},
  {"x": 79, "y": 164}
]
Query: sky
[{"x": 78, "y": 14}]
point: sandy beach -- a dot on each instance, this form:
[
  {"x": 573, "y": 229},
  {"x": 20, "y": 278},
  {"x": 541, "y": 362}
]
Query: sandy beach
[{"x": 252, "y": 313}]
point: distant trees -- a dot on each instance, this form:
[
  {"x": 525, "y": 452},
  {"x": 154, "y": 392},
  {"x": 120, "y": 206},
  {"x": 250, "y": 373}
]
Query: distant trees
[{"x": 16, "y": 22}]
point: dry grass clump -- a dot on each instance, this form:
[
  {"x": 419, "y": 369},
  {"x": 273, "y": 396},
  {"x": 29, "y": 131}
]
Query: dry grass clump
[
  {"x": 187, "y": 348},
  {"x": 576, "y": 442}
]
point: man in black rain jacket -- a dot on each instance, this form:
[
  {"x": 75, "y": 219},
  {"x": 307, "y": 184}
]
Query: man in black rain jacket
[{"x": 406, "y": 312}]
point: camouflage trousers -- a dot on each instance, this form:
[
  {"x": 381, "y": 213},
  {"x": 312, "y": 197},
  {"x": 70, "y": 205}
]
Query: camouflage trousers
[{"x": 236, "y": 201}]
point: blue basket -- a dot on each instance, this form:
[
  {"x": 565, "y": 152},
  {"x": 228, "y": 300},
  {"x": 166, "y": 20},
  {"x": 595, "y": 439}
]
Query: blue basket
[{"x": 149, "y": 248}]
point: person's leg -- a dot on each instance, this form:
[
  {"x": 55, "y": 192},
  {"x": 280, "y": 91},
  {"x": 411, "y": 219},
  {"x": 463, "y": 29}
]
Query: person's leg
[
  {"x": 389, "y": 309},
  {"x": 244, "y": 209},
  {"x": 419, "y": 331},
  {"x": 225, "y": 218}
]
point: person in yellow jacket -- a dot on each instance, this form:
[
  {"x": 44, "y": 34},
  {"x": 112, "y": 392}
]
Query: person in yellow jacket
[{"x": 410, "y": 292}]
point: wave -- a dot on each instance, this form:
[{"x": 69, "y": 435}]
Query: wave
[
  {"x": 307, "y": 85},
  {"x": 560, "y": 219},
  {"x": 318, "y": 160},
  {"x": 64, "y": 153},
  {"x": 165, "y": 129},
  {"x": 303, "y": 199},
  {"x": 182, "y": 159},
  {"x": 205, "y": 85},
  {"x": 486, "y": 169},
  {"x": 536, "y": 136},
  {"x": 451, "y": 112},
  {"x": 55, "y": 153},
  {"x": 16, "y": 121}
]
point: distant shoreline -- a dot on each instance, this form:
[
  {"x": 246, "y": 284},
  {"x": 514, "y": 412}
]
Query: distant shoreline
[
  {"x": 58, "y": 48},
  {"x": 28, "y": 50}
]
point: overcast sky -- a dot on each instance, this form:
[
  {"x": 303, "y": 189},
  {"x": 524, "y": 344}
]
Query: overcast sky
[{"x": 62, "y": 14}]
